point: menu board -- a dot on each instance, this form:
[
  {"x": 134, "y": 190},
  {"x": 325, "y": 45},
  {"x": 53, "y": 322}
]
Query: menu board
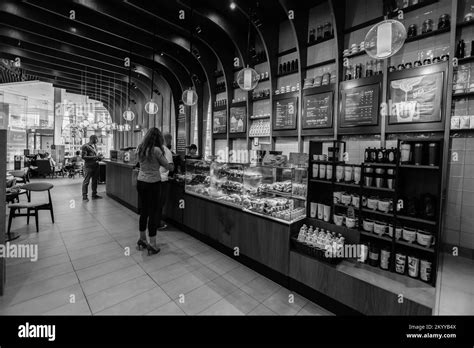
[
  {"x": 317, "y": 111},
  {"x": 360, "y": 106},
  {"x": 181, "y": 132},
  {"x": 285, "y": 112},
  {"x": 238, "y": 119},
  {"x": 219, "y": 122},
  {"x": 416, "y": 99}
]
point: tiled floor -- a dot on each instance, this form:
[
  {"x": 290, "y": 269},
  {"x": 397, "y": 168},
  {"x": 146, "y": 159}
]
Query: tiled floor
[
  {"x": 88, "y": 265},
  {"x": 456, "y": 293}
]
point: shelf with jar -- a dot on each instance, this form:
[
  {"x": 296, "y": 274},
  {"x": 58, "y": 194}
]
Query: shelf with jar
[
  {"x": 260, "y": 94},
  {"x": 327, "y": 78},
  {"x": 428, "y": 28},
  {"x": 359, "y": 71},
  {"x": 288, "y": 68},
  {"x": 322, "y": 33},
  {"x": 220, "y": 87}
]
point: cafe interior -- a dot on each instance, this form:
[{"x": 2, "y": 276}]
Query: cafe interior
[{"x": 334, "y": 157}]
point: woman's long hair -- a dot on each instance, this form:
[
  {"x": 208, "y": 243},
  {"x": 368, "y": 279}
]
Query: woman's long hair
[{"x": 152, "y": 138}]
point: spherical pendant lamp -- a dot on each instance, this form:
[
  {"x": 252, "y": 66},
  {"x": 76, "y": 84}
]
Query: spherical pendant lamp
[
  {"x": 128, "y": 114},
  {"x": 189, "y": 97},
  {"x": 151, "y": 107},
  {"x": 385, "y": 39},
  {"x": 247, "y": 79}
]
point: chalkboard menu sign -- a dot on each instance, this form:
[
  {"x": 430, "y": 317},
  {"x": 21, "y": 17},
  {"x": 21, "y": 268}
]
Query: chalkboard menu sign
[
  {"x": 317, "y": 110},
  {"x": 360, "y": 106},
  {"x": 219, "y": 122},
  {"x": 181, "y": 132},
  {"x": 285, "y": 112},
  {"x": 238, "y": 119},
  {"x": 416, "y": 99}
]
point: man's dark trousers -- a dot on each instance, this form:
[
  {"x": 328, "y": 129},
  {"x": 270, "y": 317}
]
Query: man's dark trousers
[{"x": 91, "y": 172}]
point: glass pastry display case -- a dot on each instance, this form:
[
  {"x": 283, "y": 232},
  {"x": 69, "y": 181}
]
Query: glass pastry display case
[
  {"x": 197, "y": 177},
  {"x": 275, "y": 192}
]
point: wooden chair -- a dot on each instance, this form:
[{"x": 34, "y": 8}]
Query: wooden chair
[
  {"x": 21, "y": 176},
  {"x": 31, "y": 208}
]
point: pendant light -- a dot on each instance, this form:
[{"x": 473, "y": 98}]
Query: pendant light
[
  {"x": 113, "y": 125},
  {"x": 248, "y": 78},
  {"x": 151, "y": 107},
  {"x": 120, "y": 126},
  {"x": 190, "y": 96},
  {"x": 129, "y": 115},
  {"x": 85, "y": 121}
]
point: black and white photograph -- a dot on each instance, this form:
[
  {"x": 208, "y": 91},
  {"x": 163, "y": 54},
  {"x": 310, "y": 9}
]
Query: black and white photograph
[{"x": 255, "y": 172}]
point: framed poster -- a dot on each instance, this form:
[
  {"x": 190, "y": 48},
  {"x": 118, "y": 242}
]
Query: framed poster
[
  {"x": 360, "y": 106},
  {"x": 238, "y": 119},
  {"x": 219, "y": 122},
  {"x": 317, "y": 111},
  {"x": 285, "y": 113},
  {"x": 416, "y": 99}
]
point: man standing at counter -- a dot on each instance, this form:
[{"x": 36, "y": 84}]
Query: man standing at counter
[{"x": 91, "y": 167}]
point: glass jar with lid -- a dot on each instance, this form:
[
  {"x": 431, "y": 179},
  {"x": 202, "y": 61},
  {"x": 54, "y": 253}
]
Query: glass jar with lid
[
  {"x": 427, "y": 26},
  {"x": 327, "y": 30},
  {"x": 320, "y": 33}
]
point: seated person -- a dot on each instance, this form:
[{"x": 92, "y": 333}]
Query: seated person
[{"x": 77, "y": 160}]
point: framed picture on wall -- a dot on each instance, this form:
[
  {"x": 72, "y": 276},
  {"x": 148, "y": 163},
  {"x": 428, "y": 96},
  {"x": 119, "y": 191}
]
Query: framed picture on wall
[
  {"x": 238, "y": 119},
  {"x": 416, "y": 99},
  {"x": 219, "y": 122}
]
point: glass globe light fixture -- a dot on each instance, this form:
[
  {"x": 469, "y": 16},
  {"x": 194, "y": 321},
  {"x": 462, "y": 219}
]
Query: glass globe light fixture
[
  {"x": 189, "y": 97},
  {"x": 247, "y": 79},
  {"x": 151, "y": 107},
  {"x": 385, "y": 39},
  {"x": 128, "y": 115}
]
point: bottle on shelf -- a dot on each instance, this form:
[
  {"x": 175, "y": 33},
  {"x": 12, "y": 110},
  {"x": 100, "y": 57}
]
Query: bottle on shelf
[{"x": 460, "y": 50}]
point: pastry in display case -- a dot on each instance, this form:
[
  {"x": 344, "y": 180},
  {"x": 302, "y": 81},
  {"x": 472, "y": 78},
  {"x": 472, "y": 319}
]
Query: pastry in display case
[
  {"x": 275, "y": 192},
  {"x": 278, "y": 192},
  {"x": 226, "y": 182},
  {"x": 197, "y": 177}
]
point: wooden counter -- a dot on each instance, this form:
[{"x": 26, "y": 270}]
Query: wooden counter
[
  {"x": 264, "y": 245},
  {"x": 119, "y": 187},
  {"x": 118, "y": 183}
]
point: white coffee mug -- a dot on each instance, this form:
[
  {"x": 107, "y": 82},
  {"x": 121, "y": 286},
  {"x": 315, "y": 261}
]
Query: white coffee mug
[
  {"x": 313, "y": 210},
  {"x": 327, "y": 213},
  {"x": 320, "y": 211}
]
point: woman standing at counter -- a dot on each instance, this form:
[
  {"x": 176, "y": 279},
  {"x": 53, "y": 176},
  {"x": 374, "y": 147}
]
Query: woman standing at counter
[{"x": 150, "y": 156}]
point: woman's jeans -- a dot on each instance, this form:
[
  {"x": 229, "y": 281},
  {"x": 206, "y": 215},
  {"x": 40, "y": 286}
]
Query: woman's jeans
[{"x": 149, "y": 206}]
